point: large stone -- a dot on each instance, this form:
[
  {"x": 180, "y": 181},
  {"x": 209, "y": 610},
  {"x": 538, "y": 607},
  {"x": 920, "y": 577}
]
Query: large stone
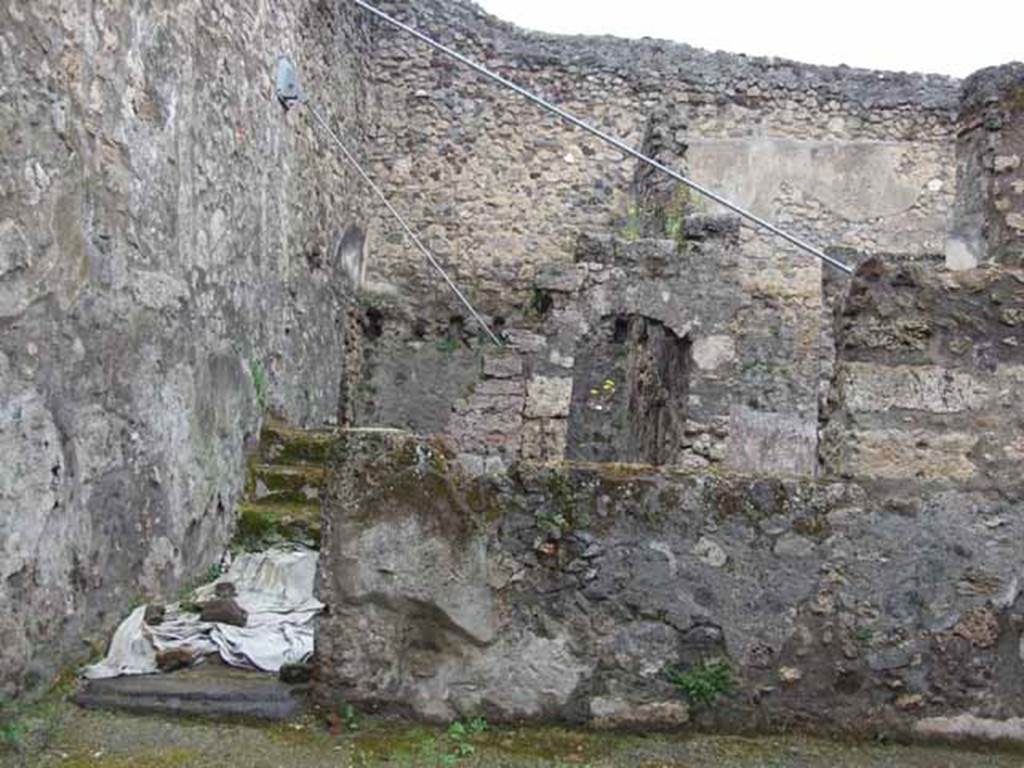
[
  {"x": 528, "y": 678},
  {"x": 873, "y": 388},
  {"x": 967, "y": 727},
  {"x": 710, "y": 552},
  {"x": 548, "y": 397},
  {"x": 211, "y": 689},
  {"x": 297, "y": 673},
  {"x": 544, "y": 440},
  {"x": 174, "y": 659},
  {"x": 641, "y": 648},
  {"x": 779, "y": 443},
  {"x": 712, "y": 352},
  {"x": 154, "y": 614},
  {"x": 503, "y": 366},
  {"x": 405, "y": 564},
  {"x": 920, "y": 454},
  {"x": 407, "y": 580},
  {"x": 223, "y": 610},
  {"x": 614, "y": 712}
]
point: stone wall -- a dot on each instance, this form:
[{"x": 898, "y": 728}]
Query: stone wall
[
  {"x": 929, "y": 378},
  {"x": 883, "y": 596},
  {"x": 989, "y": 215},
  {"x": 846, "y": 158},
  {"x": 178, "y": 255},
  {"x": 576, "y": 592},
  {"x": 168, "y": 264}
]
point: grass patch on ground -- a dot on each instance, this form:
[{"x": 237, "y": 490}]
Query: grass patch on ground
[{"x": 91, "y": 739}]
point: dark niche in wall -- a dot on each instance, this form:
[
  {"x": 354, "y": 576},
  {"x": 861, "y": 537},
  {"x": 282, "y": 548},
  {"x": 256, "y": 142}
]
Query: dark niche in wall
[{"x": 629, "y": 393}]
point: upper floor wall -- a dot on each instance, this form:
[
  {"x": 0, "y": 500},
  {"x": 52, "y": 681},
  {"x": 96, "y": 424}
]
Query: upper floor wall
[
  {"x": 846, "y": 157},
  {"x": 849, "y": 159}
]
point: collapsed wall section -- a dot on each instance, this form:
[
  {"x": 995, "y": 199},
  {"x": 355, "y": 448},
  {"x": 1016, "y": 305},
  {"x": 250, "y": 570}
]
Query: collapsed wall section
[{"x": 168, "y": 268}]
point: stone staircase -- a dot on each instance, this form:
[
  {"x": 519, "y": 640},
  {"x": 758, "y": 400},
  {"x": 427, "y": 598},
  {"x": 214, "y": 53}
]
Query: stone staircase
[
  {"x": 282, "y": 504},
  {"x": 286, "y": 475}
]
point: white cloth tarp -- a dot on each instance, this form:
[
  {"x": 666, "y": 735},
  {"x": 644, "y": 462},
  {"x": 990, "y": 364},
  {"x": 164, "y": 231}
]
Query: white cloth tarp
[{"x": 274, "y": 587}]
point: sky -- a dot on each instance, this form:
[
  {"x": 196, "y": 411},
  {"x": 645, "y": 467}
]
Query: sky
[{"x": 903, "y": 35}]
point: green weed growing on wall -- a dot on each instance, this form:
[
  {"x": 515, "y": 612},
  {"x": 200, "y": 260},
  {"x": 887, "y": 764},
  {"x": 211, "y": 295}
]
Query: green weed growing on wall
[{"x": 704, "y": 683}]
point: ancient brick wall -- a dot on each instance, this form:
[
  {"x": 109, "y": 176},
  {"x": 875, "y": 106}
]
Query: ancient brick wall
[
  {"x": 478, "y": 573},
  {"x": 177, "y": 254},
  {"x": 846, "y": 158},
  {"x": 929, "y": 378}
]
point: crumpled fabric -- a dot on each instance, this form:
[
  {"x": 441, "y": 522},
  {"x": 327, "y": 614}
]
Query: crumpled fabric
[{"x": 274, "y": 587}]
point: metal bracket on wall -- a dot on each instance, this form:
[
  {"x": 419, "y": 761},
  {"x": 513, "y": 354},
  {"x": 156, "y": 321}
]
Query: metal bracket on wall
[{"x": 287, "y": 88}]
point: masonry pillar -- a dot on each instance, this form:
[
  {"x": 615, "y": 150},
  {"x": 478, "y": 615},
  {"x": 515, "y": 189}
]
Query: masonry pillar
[{"x": 988, "y": 221}]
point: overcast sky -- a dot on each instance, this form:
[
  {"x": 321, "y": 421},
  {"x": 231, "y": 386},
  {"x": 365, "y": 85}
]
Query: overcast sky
[{"x": 910, "y": 35}]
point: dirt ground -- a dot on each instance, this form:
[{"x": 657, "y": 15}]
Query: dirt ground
[{"x": 63, "y": 735}]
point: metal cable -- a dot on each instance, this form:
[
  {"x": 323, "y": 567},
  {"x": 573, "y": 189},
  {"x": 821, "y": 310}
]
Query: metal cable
[
  {"x": 607, "y": 138},
  {"x": 398, "y": 217}
]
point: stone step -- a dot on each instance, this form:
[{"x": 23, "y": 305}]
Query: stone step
[
  {"x": 211, "y": 689},
  {"x": 299, "y": 483},
  {"x": 281, "y": 444},
  {"x": 266, "y": 522}
]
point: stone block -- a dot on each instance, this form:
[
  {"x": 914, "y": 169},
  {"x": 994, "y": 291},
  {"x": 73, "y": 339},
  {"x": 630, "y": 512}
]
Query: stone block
[
  {"x": 174, "y": 659},
  {"x": 506, "y": 366},
  {"x": 154, "y": 615},
  {"x": 1005, "y": 163},
  {"x": 711, "y": 352},
  {"x": 912, "y": 454},
  {"x": 971, "y": 728},
  {"x": 548, "y": 397},
  {"x": 615, "y": 712},
  {"x": 868, "y": 388},
  {"x": 223, "y": 610},
  {"x": 544, "y": 440},
  {"x": 525, "y": 341},
  {"x": 498, "y": 386},
  {"x": 782, "y": 443},
  {"x": 296, "y": 673}
]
